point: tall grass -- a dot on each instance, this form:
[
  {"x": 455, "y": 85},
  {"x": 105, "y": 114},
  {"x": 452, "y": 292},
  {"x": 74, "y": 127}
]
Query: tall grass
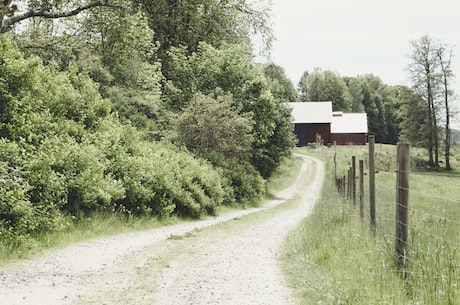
[{"x": 333, "y": 258}]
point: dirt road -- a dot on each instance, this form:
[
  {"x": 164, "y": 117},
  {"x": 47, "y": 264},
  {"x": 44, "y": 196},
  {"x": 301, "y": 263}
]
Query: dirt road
[{"x": 230, "y": 259}]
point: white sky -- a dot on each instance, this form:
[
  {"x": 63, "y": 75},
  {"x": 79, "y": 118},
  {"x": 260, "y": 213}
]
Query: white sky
[{"x": 356, "y": 37}]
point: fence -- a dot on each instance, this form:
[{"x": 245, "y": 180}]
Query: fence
[{"x": 418, "y": 222}]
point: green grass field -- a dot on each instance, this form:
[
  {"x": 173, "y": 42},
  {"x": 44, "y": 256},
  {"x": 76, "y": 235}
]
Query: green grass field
[{"x": 333, "y": 258}]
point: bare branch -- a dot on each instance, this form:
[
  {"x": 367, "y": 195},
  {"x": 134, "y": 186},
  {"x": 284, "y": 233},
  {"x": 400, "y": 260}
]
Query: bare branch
[{"x": 49, "y": 15}]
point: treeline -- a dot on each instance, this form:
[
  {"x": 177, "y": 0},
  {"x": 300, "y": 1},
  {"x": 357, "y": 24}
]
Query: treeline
[{"x": 139, "y": 108}]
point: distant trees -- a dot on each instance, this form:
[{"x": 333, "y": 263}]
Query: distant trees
[
  {"x": 431, "y": 74},
  {"x": 326, "y": 86}
]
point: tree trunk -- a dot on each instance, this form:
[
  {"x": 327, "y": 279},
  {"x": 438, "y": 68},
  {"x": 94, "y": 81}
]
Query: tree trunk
[
  {"x": 431, "y": 111},
  {"x": 446, "y": 74}
]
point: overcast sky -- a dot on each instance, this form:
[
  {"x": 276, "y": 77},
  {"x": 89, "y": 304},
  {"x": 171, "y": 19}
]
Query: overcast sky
[{"x": 356, "y": 37}]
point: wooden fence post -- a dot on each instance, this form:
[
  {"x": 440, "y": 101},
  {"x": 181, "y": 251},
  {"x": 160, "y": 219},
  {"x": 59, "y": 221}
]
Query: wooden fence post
[
  {"x": 350, "y": 181},
  {"x": 335, "y": 159},
  {"x": 348, "y": 185},
  {"x": 353, "y": 179},
  {"x": 361, "y": 188},
  {"x": 402, "y": 208},
  {"x": 372, "y": 182}
]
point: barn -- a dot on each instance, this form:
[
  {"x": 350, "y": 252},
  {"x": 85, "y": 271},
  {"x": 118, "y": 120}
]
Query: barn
[
  {"x": 349, "y": 128},
  {"x": 310, "y": 120},
  {"x": 314, "y": 120}
]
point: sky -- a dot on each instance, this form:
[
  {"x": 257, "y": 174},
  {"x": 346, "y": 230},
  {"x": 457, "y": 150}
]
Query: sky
[{"x": 357, "y": 37}]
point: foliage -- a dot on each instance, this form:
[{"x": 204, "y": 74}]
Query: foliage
[
  {"x": 210, "y": 126},
  {"x": 414, "y": 126},
  {"x": 216, "y": 23},
  {"x": 281, "y": 87},
  {"x": 212, "y": 129},
  {"x": 62, "y": 153},
  {"x": 327, "y": 86},
  {"x": 380, "y": 103},
  {"x": 230, "y": 71},
  {"x": 89, "y": 97}
]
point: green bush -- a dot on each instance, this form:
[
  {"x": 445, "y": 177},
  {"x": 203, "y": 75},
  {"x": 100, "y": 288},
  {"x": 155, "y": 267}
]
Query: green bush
[{"x": 163, "y": 181}]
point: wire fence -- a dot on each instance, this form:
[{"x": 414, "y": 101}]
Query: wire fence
[{"x": 430, "y": 255}]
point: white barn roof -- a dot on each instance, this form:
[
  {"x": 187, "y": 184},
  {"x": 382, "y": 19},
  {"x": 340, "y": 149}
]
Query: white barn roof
[
  {"x": 311, "y": 112},
  {"x": 349, "y": 122}
]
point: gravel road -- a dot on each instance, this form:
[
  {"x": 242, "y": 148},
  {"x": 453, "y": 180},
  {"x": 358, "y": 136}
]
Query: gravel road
[{"x": 221, "y": 260}]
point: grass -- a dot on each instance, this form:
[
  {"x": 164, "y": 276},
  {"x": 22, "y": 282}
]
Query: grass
[
  {"x": 97, "y": 226},
  {"x": 332, "y": 258},
  {"x": 107, "y": 224},
  {"x": 285, "y": 174}
]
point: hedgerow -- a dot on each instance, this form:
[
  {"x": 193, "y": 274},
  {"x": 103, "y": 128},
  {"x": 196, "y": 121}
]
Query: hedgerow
[{"x": 64, "y": 154}]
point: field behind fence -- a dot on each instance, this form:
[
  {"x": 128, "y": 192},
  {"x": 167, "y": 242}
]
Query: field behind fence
[{"x": 429, "y": 259}]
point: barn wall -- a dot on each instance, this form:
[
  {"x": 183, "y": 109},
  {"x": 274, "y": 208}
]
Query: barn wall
[
  {"x": 306, "y": 133},
  {"x": 349, "y": 138}
]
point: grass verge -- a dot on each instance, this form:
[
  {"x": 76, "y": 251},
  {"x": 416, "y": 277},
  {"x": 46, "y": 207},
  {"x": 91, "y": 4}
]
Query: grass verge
[{"x": 332, "y": 258}]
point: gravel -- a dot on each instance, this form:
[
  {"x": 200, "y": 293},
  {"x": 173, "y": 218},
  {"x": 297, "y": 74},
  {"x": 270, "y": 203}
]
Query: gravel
[{"x": 238, "y": 267}]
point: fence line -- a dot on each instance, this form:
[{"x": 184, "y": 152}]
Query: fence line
[{"x": 431, "y": 253}]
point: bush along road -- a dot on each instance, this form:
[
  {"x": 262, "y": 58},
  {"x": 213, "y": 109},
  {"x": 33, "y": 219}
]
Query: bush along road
[{"x": 229, "y": 259}]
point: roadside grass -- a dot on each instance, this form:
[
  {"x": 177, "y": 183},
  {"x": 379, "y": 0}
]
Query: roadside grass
[
  {"x": 333, "y": 258},
  {"x": 107, "y": 224},
  {"x": 96, "y": 226},
  {"x": 285, "y": 174}
]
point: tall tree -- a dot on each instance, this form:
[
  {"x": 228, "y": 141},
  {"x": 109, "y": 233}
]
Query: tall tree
[
  {"x": 423, "y": 69},
  {"x": 379, "y": 101},
  {"x": 445, "y": 59},
  {"x": 280, "y": 85},
  {"x": 414, "y": 126},
  {"x": 328, "y": 86},
  {"x": 430, "y": 72},
  {"x": 188, "y": 22},
  {"x": 302, "y": 87}
]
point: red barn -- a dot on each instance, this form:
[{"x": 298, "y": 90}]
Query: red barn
[
  {"x": 349, "y": 128},
  {"x": 314, "y": 120},
  {"x": 311, "y": 119}
]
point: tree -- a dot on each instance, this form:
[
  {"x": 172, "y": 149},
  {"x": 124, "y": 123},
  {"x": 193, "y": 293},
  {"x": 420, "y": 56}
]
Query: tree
[
  {"x": 414, "y": 126},
  {"x": 302, "y": 87},
  {"x": 213, "y": 129},
  {"x": 11, "y": 13},
  {"x": 422, "y": 69},
  {"x": 430, "y": 72},
  {"x": 229, "y": 70},
  {"x": 379, "y": 101},
  {"x": 355, "y": 87},
  {"x": 187, "y": 23},
  {"x": 281, "y": 87},
  {"x": 328, "y": 86},
  {"x": 445, "y": 59}
]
